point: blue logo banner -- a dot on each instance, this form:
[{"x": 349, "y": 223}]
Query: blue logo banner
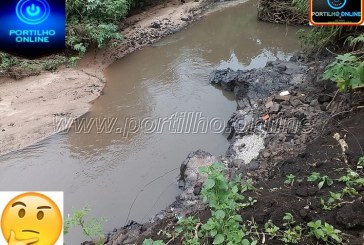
[{"x": 32, "y": 28}]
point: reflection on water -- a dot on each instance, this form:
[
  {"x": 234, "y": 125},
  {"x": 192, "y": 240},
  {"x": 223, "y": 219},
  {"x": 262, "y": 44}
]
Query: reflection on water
[{"x": 108, "y": 170}]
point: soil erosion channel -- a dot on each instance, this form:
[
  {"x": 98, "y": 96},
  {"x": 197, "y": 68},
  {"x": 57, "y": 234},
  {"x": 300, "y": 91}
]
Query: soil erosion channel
[{"x": 107, "y": 169}]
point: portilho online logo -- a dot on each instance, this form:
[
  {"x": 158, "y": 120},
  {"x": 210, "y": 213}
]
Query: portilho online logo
[
  {"x": 33, "y": 12},
  {"x": 336, "y": 4}
]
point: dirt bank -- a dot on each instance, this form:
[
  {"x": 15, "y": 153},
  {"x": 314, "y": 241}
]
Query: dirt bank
[
  {"x": 302, "y": 131},
  {"x": 29, "y": 105}
]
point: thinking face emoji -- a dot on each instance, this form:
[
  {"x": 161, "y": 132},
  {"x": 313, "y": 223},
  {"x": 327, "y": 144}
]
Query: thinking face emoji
[{"x": 32, "y": 218}]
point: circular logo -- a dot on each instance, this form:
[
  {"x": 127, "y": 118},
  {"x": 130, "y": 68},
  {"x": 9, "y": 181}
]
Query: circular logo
[
  {"x": 33, "y": 12},
  {"x": 336, "y": 4}
]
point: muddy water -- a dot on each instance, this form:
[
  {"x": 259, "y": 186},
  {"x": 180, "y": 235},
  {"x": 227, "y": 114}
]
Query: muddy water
[{"x": 129, "y": 169}]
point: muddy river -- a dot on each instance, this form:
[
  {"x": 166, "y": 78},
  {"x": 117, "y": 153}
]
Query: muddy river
[{"x": 157, "y": 106}]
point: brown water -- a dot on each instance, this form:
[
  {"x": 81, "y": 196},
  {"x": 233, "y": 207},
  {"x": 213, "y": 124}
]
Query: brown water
[{"x": 110, "y": 171}]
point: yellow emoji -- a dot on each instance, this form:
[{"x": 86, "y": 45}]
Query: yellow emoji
[{"x": 31, "y": 218}]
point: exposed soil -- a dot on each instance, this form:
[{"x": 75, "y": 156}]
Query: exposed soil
[
  {"x": 312, "y": 147},
  {"x": 70, "y": 91}
]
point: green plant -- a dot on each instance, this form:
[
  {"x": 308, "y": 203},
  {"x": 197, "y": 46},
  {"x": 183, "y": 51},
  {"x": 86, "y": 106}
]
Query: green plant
[
  {"x": 350, "y": 191},
  {"x": 316, "y": 177},
  {"x": 224, "y": 198},
  {"x": 352, "y": 179},
  {"x": 332, "y": 202},
  {"x": 347, "y": 71},
  {"x": 316, "y": 39},
  {"x": 355, "y": 40},
  {"x": 188, "y": 229},
  {"x": 290, "y": 179},
  {"x": 93, "y": 22},
  {"x": 292, "y": 232},
  {"x": 271, "y": 229},
  {"x": 151, "y": 242},
  {"x": 91, "y": 228},
  {"x": 324, "y": 232},
  {"x": 301, "y": 5}
]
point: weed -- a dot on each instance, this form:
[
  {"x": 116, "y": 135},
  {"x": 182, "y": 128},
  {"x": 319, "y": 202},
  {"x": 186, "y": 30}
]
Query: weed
[
  {"x": 316, "y": 177},
  {"x": 292, "y": 232},
  {"x": 332, "y": 202},
  {"x": 151, "y": 242},
  {"x": 188, "y": 228},
  {"x": 290, "y": 179},
  {"x": 324, "y": 232},
  {"x": 91, "y": 228},
  {"x": 352, "y": 179},
  {"x": 271, "y": 229},
  {"x": 224, "y": 198},
  {"x": 347, "y": 71}
]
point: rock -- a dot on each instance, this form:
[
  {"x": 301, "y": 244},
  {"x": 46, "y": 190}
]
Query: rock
[
  {"x": 225, "y": 78},
  {"x": 281, "y": 67},
  {"x": 189, "y": 174},
  {"x": 313, "y": 103},
  {"x": 155, "y": 25},
  {"x": 284, "y": 93},
  {"x": 275, "y": 108},
  {"x": 269, "y": 104},
  {"x": 295, "y": 102},
  {"x": 323, "y": 107},
  {"x": 185, "y": 19},
  {"x": 280, "y": 98},
  {"x": 324, "y": 98}
]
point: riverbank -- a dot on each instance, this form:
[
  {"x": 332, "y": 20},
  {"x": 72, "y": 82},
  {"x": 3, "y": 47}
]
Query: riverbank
[
  {"x": 288, "y": 108},
  {"x": 70, "y": 92}
]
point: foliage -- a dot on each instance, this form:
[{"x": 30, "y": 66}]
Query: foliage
[
  {"x": 332, "y": 202},
  {"x": 324, "y": 232},
  {"x": 318, "y": 38},
  {"x": 301, "y": 5},
  {"x": 292, "y": 233},
  {"x": 354, "y": 41},
  {"x": 225, "y": 199},
  {"x": 352, "y": 179},
  {"x": 271, "y": 229},
  {"x": 91, "y": 228},
  {"x": 290, "y": 179},
  {"x": 187, "y": 227},
  {"x": 347, "y": 71},
  {"x": 316, "y": 177},
  {"x": 93, "y": 22},
  {"x": 151, "y": 242},
  {"x": 225, "y": 226}
]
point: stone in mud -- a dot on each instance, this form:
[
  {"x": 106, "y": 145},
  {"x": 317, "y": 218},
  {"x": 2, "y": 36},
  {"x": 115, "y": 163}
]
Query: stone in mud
[
  {"x": 275, "y": 108},
  {"x": 313, "y": 102},
  {"x": 324, "y": 98},
  {"x": 281, "y": 98},
  {"x": 190, "y": 179},
  {"x": 225, "y": 78},
  {"x": 155, "y": 25}
]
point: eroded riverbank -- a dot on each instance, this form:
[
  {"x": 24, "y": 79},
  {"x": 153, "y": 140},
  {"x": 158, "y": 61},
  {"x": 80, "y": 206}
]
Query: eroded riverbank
[{"x": 306, "y": 127}]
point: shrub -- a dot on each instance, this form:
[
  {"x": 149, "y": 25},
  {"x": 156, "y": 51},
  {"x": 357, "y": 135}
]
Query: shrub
[
  {"x": 347, "y": 71},
  {"x": 93, "y": 22}
]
